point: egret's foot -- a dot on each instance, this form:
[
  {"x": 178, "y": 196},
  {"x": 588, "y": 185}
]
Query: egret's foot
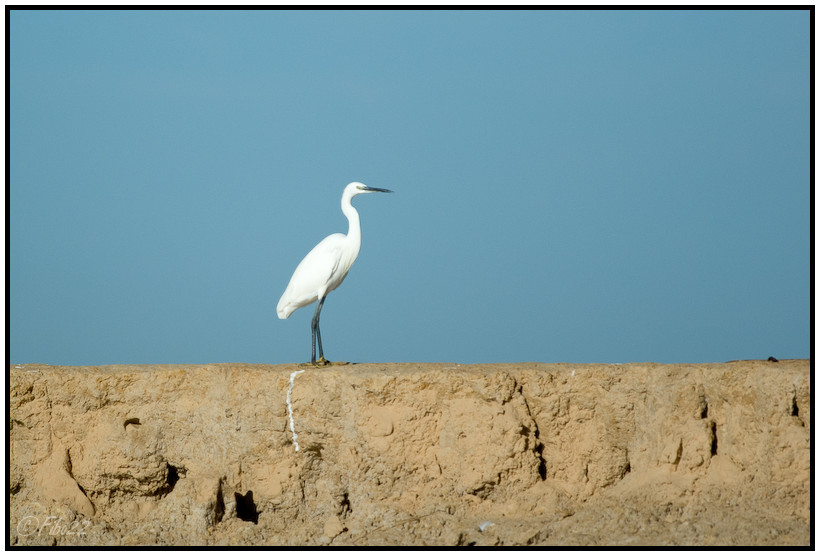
[{"x": 322, "y": 362}]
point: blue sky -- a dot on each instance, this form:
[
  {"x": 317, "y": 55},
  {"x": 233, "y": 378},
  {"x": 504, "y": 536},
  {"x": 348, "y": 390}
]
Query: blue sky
[{"x": 582, "y": 186}]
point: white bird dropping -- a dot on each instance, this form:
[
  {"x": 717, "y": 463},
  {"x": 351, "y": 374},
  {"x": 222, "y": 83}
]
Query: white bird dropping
[{"x": 290, "y": 408}]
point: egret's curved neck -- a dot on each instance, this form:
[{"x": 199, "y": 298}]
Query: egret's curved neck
[{"x": 354, "y": 231}]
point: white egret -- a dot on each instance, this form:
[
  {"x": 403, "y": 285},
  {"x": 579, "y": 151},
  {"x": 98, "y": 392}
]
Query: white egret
[{"x": 325, "y": 267}]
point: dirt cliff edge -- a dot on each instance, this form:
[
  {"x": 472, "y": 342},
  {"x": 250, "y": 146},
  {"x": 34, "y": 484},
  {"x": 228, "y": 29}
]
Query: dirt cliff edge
[{"x": 411, "y": 454}]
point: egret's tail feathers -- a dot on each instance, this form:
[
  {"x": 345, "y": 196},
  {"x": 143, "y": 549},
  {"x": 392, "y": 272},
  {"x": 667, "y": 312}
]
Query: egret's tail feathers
[{"x": 284, "y": 310}]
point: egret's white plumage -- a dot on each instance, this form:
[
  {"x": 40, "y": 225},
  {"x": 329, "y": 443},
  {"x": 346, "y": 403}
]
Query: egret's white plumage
[
  {"x": 324, "y": 268},
  {"x": 319, "y": 273}
]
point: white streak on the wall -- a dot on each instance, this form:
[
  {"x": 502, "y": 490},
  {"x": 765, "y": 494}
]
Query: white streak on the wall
[{"x": 290, "y": 408}]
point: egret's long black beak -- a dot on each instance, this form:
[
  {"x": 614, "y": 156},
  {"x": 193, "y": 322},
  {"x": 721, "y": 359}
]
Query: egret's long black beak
[{"x": 368, "y": 188}]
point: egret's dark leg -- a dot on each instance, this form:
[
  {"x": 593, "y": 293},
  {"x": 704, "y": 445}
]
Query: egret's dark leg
[
  {"x": 313, "y": 343},
  {"x": 316, "y": 336},
  {"x": 319, "y": 342}
]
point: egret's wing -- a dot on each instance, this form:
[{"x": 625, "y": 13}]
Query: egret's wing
[
  {"x": 312, "y": 275},
  {"x": 318, "y": 266}
]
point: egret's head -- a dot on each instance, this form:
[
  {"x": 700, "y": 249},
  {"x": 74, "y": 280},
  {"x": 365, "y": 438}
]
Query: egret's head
[{"x": 356, "y": 188}]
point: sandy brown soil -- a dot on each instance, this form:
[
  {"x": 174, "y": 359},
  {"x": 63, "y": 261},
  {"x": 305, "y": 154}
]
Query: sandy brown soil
[{"x": 411, "y": 454}]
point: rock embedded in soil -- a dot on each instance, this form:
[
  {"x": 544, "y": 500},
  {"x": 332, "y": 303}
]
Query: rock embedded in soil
[{"x": 411, "y": 454}]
